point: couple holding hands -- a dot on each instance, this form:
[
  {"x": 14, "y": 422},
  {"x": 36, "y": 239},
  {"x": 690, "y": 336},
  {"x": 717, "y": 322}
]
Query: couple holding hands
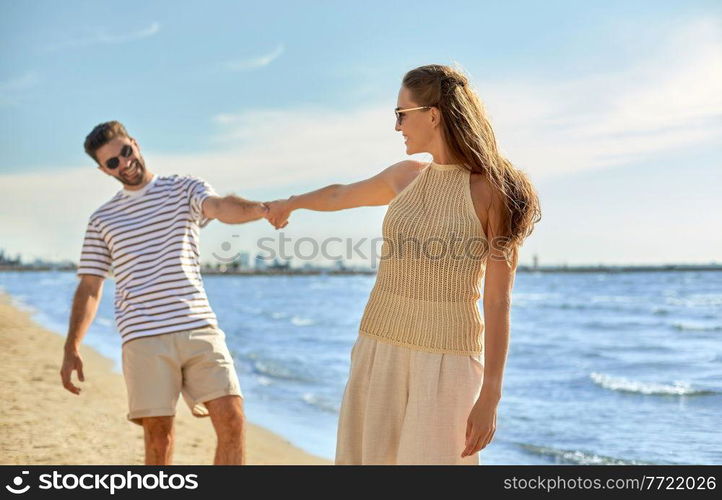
[{"x": 426, "y": 369}]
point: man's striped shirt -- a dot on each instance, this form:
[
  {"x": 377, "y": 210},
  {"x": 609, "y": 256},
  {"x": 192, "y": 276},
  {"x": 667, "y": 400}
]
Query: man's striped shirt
[{"x": 150, "y": 240}]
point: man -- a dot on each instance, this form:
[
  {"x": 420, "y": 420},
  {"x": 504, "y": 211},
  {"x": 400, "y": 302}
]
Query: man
[{"x": 148, "y": 233}]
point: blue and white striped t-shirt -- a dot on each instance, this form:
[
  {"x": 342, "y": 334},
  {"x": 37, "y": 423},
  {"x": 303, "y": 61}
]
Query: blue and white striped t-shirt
[{"x": 150, "y": 240}]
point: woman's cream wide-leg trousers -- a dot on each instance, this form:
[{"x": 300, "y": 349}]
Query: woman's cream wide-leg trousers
[{"x": 406, "y": 406}]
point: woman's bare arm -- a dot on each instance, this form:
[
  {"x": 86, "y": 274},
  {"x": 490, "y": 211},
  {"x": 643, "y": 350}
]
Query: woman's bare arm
[
  {"x": 498, "y": 284},
  {"x": 374, "y": 191}
]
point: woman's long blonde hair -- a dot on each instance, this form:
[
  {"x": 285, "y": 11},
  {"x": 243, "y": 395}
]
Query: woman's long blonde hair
[{"x": 471, "y": 142}]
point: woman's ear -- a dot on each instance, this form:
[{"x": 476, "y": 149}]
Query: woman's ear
[{"x": 435, "y": 116}]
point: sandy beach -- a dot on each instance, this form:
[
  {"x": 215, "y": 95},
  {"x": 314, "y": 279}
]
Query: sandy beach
[{"x": 45, "y": 424}]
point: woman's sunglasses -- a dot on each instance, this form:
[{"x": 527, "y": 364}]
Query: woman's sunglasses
[
  {"x": 125, "y": 152},
  {"x": 400, "y": 112}
]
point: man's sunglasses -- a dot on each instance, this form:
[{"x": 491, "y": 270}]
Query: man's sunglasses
[
  {"x": 125, "y": 152},
  {"x": 400, "y": 112}
]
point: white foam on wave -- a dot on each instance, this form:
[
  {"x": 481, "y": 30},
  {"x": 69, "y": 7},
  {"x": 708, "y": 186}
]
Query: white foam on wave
[
  {"x": 677, "y": 388},
  {"x": 320, "y": 403},
  {"x": 697, "y": 327},
  {"x": 299, "y": 321},
  {"x": 577, "y": 457}
]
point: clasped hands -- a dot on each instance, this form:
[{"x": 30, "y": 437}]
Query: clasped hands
[{"x": 277, "y": 212}]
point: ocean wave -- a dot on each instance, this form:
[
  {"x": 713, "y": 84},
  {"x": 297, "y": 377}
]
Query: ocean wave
[
  {"x": 585, "y": 306},
  {"x": 299, "y": 321},
  {"x": 321, "y": 285},
  {"x": 678, "y": 388},
  {"x": 697, "y": 327},
  {"x": 246, "y": 309},
  {"x": 577, "y": 457},
  {"x": 22, "y": 302},
  {"x": 696, "y": 300},
  {"x": 278, "y": 371},
  {"x": 616, "y": 299},
  {"x": 612, "y": 323},
  {"x": 593, "y": 307},
  {"x": 104, "y": 321},
  {"x": 50, "y": 281},
  {"x": 320, "y": 402},
  {"x": 535, "y": 297}
]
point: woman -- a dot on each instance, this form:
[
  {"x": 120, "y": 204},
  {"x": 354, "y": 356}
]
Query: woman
[{"x": 426, "y": 369}]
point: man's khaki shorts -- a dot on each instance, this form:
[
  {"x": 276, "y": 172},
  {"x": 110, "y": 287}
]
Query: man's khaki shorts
[{"x": 194, "y": 363}]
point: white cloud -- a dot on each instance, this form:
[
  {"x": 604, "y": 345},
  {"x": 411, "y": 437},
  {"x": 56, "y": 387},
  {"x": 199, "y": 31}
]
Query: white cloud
[
  {"x": 255, "y": 62},
  {"x": 669, "y": 100},
  {"x": 101, "y": 36},
  {"x": 127, "y": 37}
]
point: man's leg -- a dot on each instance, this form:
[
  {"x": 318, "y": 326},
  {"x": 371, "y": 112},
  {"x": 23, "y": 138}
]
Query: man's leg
[
  {"x": 159, "y": 437},
  {"x": 229, "y": 422}
]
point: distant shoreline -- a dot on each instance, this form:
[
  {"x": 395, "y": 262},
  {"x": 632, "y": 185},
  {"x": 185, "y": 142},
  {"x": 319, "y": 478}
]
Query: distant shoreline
[{"x": 348, "y": 272}]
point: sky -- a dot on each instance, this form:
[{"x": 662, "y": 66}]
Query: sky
[{"x": 613, "y": 109}]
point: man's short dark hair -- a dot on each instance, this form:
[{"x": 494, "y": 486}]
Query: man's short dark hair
[{"x": 101, "y": 135}]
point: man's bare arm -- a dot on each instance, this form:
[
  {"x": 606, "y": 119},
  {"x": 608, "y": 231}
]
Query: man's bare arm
[
  {"x": 233, "y": 209},
  {"x": 85, "y": 306}
]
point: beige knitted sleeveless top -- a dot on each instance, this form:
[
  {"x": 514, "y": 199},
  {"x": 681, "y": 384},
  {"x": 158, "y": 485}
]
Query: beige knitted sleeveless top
[{"x": 432, "y": 262}]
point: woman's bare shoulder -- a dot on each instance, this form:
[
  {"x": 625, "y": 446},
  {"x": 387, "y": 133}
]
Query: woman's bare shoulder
[
  {"x": 407, "y": 166},
  {"x": 402, "y": 173}
]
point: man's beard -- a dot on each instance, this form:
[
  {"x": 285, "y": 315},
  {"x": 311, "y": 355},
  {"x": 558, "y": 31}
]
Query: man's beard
[{"x": 136, "y": 176}]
